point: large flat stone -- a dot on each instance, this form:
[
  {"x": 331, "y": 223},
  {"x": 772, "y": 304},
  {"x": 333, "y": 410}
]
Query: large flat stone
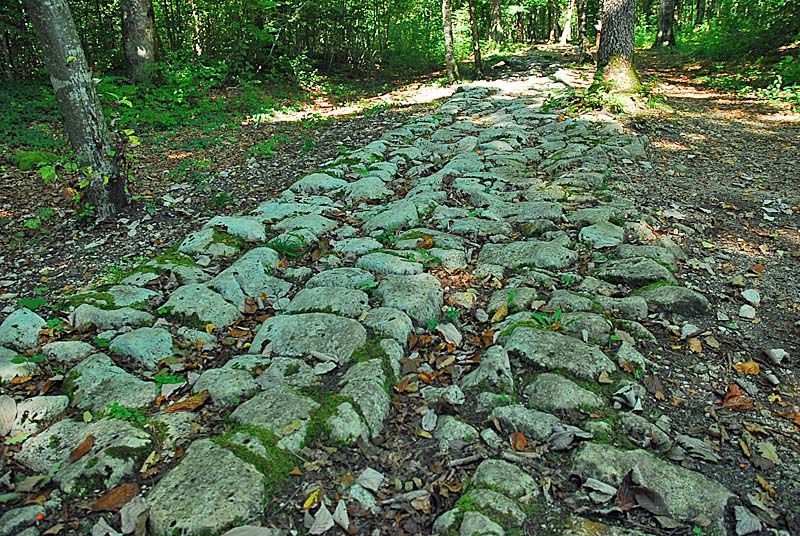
[
  {"x": 300, "y": 334},
  {"x": 208, "y": 492},
  {"x": 686, "y": 493},
  {"x": 282, "y": 411},
  {"x": 20, "y": 329},
  {"x": 97, "y": 382},
  {"x": 532, "y": 253},
  {"x": 340, "y": 301},
  {"x": 635, "y": 272},
  {"x": 87, "y": 314},
  {"x": 201, "y": 304},
  {"x": 551, "y": 350},
  {"x": 419, "y": 296},
  {"x": 146, "y": 345}
]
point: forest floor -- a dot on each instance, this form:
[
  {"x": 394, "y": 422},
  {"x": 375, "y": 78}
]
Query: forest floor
[{"x": 722, "y": 171}]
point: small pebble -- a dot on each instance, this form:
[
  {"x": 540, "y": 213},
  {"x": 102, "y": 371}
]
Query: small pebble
[
  {"x": 747, "y": 311},
  {"x": 751, "y": 296}
]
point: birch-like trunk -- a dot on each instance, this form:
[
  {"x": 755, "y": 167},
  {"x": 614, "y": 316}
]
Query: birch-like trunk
[
  {"x": 83, "y": 117},
  {"x": 566, "y": 34},
  {"x": 449, "y": 50},
  {"x": 138, "y": 36}
]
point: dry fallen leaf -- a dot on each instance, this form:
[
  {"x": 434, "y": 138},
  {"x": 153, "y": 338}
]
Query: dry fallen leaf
[
  {"x": 736, "y": 400},
  {"x": 518, "y": 441},
  {"x": 426, "y": 242},
  {"x": 695, "y": 346},
  {"x": 748, "y": 367},
  {"x": 500, "y": 314},
  {"x": 79, "y": 451},
  {"x": 189, "y": 404},
  {"x": 766, "y": 486},
  {"x": 117, "y": 497}
]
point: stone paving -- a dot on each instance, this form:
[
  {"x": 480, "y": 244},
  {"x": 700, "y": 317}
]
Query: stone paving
[{"x": 492, "y": 186}]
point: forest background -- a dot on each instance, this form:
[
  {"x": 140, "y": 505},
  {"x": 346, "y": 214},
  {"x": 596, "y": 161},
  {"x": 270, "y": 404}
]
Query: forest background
[{"x": 212, "y": 65}]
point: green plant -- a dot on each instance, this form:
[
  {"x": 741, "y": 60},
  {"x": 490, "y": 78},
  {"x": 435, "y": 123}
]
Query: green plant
[
  {"x": 101, "y": 342},
  {"x": 116, "y": 411},
  {"x": 221, "y": 199},
  {"x": 20, "y": 359},
  {"x": 433, "y": 323},
  {"x": 166, "y": 378},
  {"x": 451, "y": 314},
  {"x": 267, "y": 149},
  {"x": 288, "y": 244},
  {"x": 31, "y": 303}
]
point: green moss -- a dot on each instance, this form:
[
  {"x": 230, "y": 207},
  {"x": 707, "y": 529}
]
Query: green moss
[
  {"x": 275, "y": 466},
  {"x": 229, "y": 239},
  {"x": 70, "y": 383},
  {"x": 657, "y": 284},
  {"x": 411, "y": 235},
  {"x": 54, "y": 442},
  {"x": 99, "y": 299},
  {"x": 91, "y": 463},
  {"x": 171, "y": 256},
  {"x": 28, "y": 160},
  {"x": 318, "y": 429},
  {"x": 137, "y": 454}
]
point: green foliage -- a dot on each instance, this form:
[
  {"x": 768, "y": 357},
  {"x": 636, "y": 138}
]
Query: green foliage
[
  {"x": 267, "y": 149},
  {"x": 31, "y": 303},
  {"x": 133, "y": 415},
  {"x": 165, "y": 378},
  {"x": 20, "y": 359},
  {"x": 28, "y": 160},
  {"x": 289, "y": 245}
]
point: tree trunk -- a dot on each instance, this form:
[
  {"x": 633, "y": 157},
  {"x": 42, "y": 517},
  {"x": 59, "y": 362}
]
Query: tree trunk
[
  {"x": 83, "y": 118},
  {"x": 666, "y": 22},
  {"x": 139, "y": 36},
  {"x": 449, "y": 51},
  {"x": 566, "y": 35},
  {"x": 615, "y": 52},
  {"x": 497, "y": 21},
  {"x": 476, "y": 38},
  {"x": 700, "y": 14}
]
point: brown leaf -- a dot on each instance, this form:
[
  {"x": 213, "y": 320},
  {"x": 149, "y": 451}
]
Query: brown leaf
[
  {"x": 402, "y": 385},
  {"x": 754, "y": 428},
  {"x": 766, "y": 486},
  {"x": 654, "y": 386},
  {"x": 748, "y": 367},
  {"x": 116, "y": 498},
  {"x": 625, "y": 499},
  {"x": 758, "y": 268},
  {"x": 189, "y": 404},
  {"x": 238, "y": 332},
  {"x": 736, "y": 400},
  {"x": 744, "y": 447},
  {"x": 500, "y": 314},
  {"x": 518, "y": 441},
  {"x": 79, "y": 451},
  {"x": 650, "y": 500},
  {"x": 487, "y": 338},
  {"x": 19, "y": 380},
  {"x": 296, "y": 471},
  {"x": 695, "y": 346},
  {"x": 426, "y": 242}
]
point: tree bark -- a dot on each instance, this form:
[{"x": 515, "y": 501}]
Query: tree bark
[
  {"x": 615, "y": 51},
  {"x": 497, "y": 21},
  {"x": 139, "y": 36},
  {"x": 566, "y": 34},
  {"x": 700, "y": 12},
  {"x": 449, "y": 51},
  {"x": 77, "y": 100},
  {"x": 476, "y": 38},
  {"x": 666, "y": 24}
]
